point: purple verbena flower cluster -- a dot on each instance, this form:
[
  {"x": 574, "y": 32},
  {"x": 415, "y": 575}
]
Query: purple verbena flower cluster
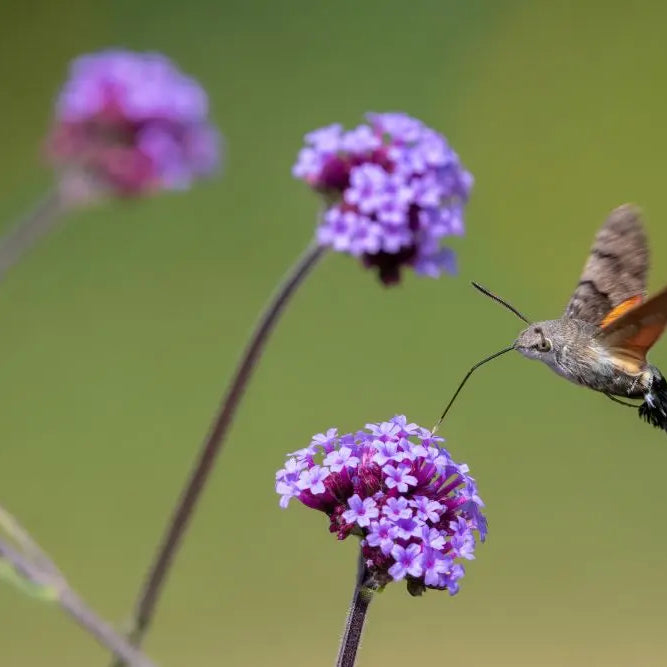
[
  {"x": 132, "y": 123},
  {"x": 414, "y": 508},
  {"x": 395, "y": 189}
]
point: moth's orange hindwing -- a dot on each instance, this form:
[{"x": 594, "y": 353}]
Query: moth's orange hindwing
[{"x": 621, "y": 309}]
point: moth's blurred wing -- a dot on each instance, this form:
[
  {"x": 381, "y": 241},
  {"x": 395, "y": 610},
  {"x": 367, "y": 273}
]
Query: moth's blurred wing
[
  {"x": 616, "y": 268},
  {"x": 631, "y": 335}
]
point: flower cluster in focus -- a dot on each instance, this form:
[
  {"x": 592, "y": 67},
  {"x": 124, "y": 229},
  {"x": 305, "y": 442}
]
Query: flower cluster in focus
[
  {"x": 395, "y": 188},
  {"x": 414, "y": 508},
  {"x": 132, "y": 123}
]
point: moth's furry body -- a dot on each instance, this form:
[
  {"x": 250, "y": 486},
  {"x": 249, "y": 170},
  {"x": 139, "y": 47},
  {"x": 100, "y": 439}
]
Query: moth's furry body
[{"x": 576, "y": 355}]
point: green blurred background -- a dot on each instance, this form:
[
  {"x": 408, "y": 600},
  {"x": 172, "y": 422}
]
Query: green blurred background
[{"x": 119, "y": 334}]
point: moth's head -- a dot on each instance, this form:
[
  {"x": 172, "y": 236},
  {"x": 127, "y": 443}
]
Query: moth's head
[{"x": 537, "y": 341}]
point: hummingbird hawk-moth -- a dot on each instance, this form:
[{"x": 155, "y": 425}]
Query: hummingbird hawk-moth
[{"x": 609, "y": 325}]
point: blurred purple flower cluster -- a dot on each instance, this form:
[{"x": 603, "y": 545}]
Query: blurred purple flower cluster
[
  {"x": 133, "y": 123},
  {"x": 413, "y": 507},
  {"x": 395, "y": 189}
]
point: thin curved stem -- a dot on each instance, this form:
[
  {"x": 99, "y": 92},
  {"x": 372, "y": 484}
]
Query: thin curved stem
[
  {"x": 180, "y": 519},
  {"x": 20, "y": 536},
  {"x": 356, "y": 617},
  {"x": 25, "y": 233},
  {"x": 60, "y": 592}
]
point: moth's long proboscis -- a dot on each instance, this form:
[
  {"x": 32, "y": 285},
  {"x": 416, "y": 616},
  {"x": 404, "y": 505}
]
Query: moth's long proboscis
[{"x": 465, "y": 379}]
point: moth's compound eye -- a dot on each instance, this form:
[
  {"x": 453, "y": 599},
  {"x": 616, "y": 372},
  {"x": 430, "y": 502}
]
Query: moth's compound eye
[{"x": 544, "y": 345}]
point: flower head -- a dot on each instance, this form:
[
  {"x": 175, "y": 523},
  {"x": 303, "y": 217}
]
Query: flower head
[
  {"x": 131, "y": 123},
  {"x": 415, "y": 510},
  {"x": 395, "y": 189}
]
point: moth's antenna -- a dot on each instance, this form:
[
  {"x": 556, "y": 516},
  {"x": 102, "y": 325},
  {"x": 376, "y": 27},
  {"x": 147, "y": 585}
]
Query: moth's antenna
[
  {"x": 502, "y": 302},
  {"x": 465, "y": 379}
]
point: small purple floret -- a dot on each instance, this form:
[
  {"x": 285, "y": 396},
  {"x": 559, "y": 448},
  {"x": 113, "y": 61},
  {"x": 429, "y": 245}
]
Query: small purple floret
[
  {"x": 426, "y": 509},
  {"x": 382, "y": 534},
  {"x": 435, "y": 565},
  {"x": 341, "y": 458},
  {"x": 313, "y": 480},
  {"x": 361, "y": 511},
  {"x": 396, "y": 509},
  {"x": 131, "y": 123},
  {"x": 394, "y": 188},
  {"x": 399, "y": 477},
  {"x": 416, "y": 510},
  {"x": 408, "y": 561}
]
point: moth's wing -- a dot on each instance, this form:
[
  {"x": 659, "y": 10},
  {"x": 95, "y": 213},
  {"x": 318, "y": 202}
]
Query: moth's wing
[
  {"x": 632, "y": 334},
  {"x": 616, "y": 268}
]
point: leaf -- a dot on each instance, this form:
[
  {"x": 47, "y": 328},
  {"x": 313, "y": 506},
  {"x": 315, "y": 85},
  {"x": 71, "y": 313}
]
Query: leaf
[{"x": 44, "y": 592}]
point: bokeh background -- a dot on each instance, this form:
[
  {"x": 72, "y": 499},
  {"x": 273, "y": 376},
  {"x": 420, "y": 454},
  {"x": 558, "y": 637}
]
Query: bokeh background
[{"x": 119, "y": 333}]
